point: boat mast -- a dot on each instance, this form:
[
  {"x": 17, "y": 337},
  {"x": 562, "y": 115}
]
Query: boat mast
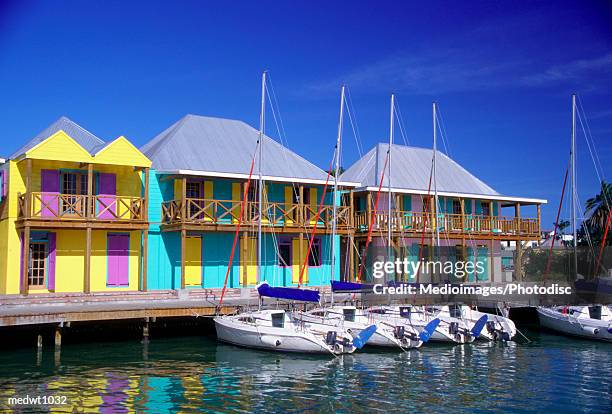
[
  {"x": 389, "y": 176},
  {"x": 260, "y": 181},
  {"x": 573, "y": 184},
  {"x": 435, "y": 150},
  {"x": 336, "y": 173}
]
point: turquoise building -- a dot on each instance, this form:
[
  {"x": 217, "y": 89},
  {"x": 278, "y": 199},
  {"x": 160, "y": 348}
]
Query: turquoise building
[{"x": 197, "y": 191}]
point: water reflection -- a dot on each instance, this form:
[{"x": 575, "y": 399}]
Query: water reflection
[{"x": 196, "y": 374}]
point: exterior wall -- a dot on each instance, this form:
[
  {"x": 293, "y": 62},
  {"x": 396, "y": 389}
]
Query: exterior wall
[
  {"x": 70, "y": 244},
  {"x": 164, "y": 259}
]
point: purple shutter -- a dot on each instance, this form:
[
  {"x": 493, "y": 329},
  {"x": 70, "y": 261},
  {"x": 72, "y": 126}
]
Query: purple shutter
[
  {"x": 51, "y": 271},
  {"x": 118, "y": 265},
  {"x": 50, "y": 187},
  {"x": 107, "y": 190}
]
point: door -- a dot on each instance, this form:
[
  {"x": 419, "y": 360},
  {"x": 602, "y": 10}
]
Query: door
[
  {"x": 248, "y": 261},
  {"x": 298, "y": 256},
  {"x": 193, "y": 261},
  {"x": 118, "y": 246}
]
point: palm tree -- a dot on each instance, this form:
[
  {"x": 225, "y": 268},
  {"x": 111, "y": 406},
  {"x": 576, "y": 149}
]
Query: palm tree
[{"x": 598, "y": 209}]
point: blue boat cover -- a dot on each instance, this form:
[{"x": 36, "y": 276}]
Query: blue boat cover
[
  {"x": 348, "y": 286},
  {"x": 304, "y": 295}
]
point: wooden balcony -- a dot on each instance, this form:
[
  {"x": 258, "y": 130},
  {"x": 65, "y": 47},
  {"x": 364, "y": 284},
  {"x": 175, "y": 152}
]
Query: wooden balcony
[
  {"x": 410, "y": 223},
  {"x": 68, "y": 210},
  {"x": 210, "y": 214}
]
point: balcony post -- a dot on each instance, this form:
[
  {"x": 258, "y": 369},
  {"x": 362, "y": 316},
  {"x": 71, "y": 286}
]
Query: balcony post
[
  {"x": 369, "y": 208},
  {"x": 89, "y": 202},
  {"x": 184, "y": 198},
  {"x": 351, "y": 211},
  {"x": 28, "y": 182},
  {"x": 301, "y": 213},
  {"x": 145, "y": 201},
  {"x": 463, "y": 230},
  {"x": 539, "y": 208},
  {"x": 518, "y": 266},
  {"x": 145, "y": 232}
]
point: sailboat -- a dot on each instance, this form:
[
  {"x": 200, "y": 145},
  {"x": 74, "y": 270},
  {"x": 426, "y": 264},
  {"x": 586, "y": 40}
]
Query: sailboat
[
  {"x": 592, "y": 322},
  {"x": 497, "y": 327},
  {"x": 278, "y": 329}
]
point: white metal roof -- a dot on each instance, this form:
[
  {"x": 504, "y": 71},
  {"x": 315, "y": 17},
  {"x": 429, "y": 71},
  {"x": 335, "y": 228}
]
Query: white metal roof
[{"x": 200, "y": 145}]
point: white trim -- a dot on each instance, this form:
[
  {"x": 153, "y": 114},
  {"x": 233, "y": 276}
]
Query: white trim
[
  {"x": 246, "y": 176},
  {"x": 2, "y": 160},
  {"x": 463, "y": 195}
]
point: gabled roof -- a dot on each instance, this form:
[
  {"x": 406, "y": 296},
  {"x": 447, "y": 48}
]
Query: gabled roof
[
  {"x": 200, "y": 144},
  {"x": 84, "y": 138},
  {"x": 410, "y": 170}
]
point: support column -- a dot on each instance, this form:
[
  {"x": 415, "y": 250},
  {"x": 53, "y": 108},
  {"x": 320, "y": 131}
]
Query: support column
[
  {"x": 184, "y": 198},
  {"x": 351, "y": 222},
  {"x": 351, "y": 258},
  {"x": 244, "y": 255},
  {"x": 87, "y": 273},
  {"x": 145, "y": 331},
  {"x": 145, "y": 233},
  {"x": 58, "y": 336},
  {"x": 368, "y": 209},
  {"x": 518, "y": 265},
  {"x": 25, "y": 264},
  {"x": 301, "y": 216},
  {"x": 301, "y": 252},
  {"x": 183, "y": 254},
  {"x": 145, "y": 261}
]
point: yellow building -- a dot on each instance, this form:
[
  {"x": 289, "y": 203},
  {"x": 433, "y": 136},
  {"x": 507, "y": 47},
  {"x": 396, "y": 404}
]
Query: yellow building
[{"x": 73, "y": 215}]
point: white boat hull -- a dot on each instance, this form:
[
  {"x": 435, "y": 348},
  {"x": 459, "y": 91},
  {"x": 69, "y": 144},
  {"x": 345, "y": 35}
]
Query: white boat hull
[
  {"x": 571, "y": 325},
  {"x": 274, "y": 339}
]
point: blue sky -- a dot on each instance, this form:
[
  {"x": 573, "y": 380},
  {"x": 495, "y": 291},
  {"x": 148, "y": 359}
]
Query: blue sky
[{"x": 502, "y": 73}]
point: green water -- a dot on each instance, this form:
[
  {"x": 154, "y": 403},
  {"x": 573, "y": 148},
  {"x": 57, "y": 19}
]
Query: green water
[{"x": 196, "y": 374}]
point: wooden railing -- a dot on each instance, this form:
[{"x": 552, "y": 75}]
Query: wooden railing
[
  {"x": 227, "y": 212},
  {"x": 413, "y": 222},
  {"x": 54, "y": 206}
]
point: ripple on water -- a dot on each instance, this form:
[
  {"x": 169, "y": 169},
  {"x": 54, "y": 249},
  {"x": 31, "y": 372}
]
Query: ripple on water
[{"x": 196, "y": 374}]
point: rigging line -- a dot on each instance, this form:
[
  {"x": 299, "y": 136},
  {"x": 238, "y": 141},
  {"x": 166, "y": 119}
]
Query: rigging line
[
  {"x": 382, "y": 177},
  {"x": 425, "y": 216},
  {"x": 552, "y": 244},
  {"x": 590, "y": 133},
  {"x": 591, "y": 151},
  {"x": 603, "y": 243},
  {"x": 237, "y": 234},
  {"x": 351, "y": 109},
  {"x": 283, "y": 139},
  {"x": 442, "y": 126},
  {"x": 400, "y": 122},
  {"x": 316, "y": 222},
  {"x": 587, "y": 230}
]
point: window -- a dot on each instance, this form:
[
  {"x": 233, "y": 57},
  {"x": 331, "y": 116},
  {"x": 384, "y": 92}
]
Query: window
[
  {"x": 194, "y": 189},
  {"x": 486, "y": 208},
  {"x": 278, "y": 320},
  {"x": 314, "y": 260},
  {"x": 38, "y": 264},
  {"x": 284, "y": 253},
  {"x": 74, "y": 185},
  {"x": 349, "y": 315},
  {"x": 456, "y": 207}
]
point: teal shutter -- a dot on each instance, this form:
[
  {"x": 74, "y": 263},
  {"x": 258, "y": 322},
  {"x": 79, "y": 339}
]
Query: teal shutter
[
  {"x": 478, "y": 207},
  {"x": 468, "y": 206},
  {"x": 495, "y": 209},
  {"x": 407, "y": 203}
]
